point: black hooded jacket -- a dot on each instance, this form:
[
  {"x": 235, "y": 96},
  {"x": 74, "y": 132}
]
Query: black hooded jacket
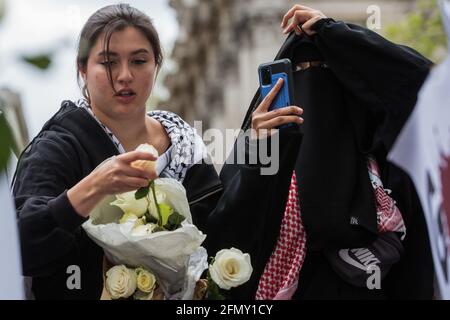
[
  {"x": 70, "y": 145},
  {"x": 354, "y": 107}
]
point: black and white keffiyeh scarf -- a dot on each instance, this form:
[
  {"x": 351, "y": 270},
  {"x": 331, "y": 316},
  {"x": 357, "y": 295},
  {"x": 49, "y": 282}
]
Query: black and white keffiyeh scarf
[{"x": 186, "y": 147}]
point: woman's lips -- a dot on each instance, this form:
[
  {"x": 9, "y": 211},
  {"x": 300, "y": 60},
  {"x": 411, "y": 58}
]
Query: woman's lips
[{"x": 125, "y": 98}]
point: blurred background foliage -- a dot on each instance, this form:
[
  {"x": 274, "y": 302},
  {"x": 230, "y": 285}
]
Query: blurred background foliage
[
  {"x": 422, "y": 30},
  {"x": 7, "y": 144},
  {"x": 5, "y": 131},
  {"x": 40, "y": 61},
  {"x": 2, "y": 9}
]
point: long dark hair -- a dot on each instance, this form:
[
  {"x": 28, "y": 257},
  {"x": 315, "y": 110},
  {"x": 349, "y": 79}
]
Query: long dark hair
[{"x": 110, "y": 19}]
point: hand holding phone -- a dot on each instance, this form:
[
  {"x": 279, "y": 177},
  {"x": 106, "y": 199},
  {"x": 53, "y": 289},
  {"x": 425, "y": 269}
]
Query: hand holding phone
[
  {"x": 276, "y": 109},
  {"x": 264, "y": 120},
  {"x": 269, "y": 73}
]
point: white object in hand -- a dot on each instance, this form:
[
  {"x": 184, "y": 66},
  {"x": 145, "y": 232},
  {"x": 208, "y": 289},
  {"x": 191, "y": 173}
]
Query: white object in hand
[{"x": 147, "y": 165}]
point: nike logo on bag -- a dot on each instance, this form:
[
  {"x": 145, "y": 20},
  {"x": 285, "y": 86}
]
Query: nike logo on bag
[{"x": 364, "y": 258}]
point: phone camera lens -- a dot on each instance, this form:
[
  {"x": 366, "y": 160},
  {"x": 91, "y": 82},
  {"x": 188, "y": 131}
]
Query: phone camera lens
[{"x": 266, "y": 76}]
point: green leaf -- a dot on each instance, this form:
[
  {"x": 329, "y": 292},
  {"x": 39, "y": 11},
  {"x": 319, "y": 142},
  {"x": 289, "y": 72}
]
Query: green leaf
[
  {"x": 176, "y": 218},
  {"x": 174, "y": 221},
  {"x": 142, "y": 192},
  {"x": 213, "y": 290},
  {"x": 41, "y": 61},
  {"x": 166, "y": 211},
  {"x": 7, "y": 142}
]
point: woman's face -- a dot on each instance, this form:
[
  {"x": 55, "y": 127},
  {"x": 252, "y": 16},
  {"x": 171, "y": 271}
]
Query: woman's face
[{"x": 133, "y": 71}]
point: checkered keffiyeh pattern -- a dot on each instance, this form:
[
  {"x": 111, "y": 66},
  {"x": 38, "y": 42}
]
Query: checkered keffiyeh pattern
[
  {"x": 279, "y": 280},
  {"x": 280, "y": 277},
  {"x": 389, "y": 217},
  {"x": 180, "y": 156}
]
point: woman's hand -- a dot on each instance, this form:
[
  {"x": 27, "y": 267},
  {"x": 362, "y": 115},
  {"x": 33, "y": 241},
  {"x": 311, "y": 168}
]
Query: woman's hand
[
  {"x": 118, "y": 175},
  {"x": 263, "y": 120},
  {"x": 112, "y": 177},
  {"x": 302, "y": 18}
]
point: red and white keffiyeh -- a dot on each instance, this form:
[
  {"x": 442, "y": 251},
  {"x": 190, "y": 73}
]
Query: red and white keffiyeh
[
  {"x": 280, "y": 277},
  {"x": 279, "y": 280},
  {"x": 389, "y": 217}
]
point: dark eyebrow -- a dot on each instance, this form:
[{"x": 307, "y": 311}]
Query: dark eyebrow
[
  {"x": 139, "y": 51},
  {"x": 115, "y": 54},
  {"x": 103, "y": 53}
]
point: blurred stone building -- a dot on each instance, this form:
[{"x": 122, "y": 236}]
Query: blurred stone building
[{"x": 222, "y": 42}]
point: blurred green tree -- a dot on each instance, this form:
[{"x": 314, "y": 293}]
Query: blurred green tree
[
  {"x": 7, "y": 142},
  {"x": 7, "y": 139},
  {"x": 422, "y": 30},
  {"x": 5, "y": 132},
  {"x": 40, "y": 61},
  {"x": 2, "y": 9}
]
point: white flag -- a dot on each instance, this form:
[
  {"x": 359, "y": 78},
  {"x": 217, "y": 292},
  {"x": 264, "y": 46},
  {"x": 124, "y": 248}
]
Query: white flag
[
  {"x": 423, "y": 150},
  {"x": 11, "y": 282}
]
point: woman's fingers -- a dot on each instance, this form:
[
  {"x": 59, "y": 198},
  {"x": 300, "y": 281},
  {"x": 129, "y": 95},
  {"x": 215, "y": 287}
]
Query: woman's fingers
[
  {"x": 132, "y": 183},
  {"x": 291, "y": 13},
  {"x": 278, "y": 121},
  {"x": 136, "y": 155},
  {"x": 291, "y": 110},
  {"x": 267, "y": 101},
  {"x": 120, "y": 170},
  {"x": 298, "y": 30},
  {"x": 308, "y": 24},
  {"x": 300, "y": 17},
  {"x": 130, "y": 171}
]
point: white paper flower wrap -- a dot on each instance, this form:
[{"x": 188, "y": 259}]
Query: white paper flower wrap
[{"x": 165, "y": 253}]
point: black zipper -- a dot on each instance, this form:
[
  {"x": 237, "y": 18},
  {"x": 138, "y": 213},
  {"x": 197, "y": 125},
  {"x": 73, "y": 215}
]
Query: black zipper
[{"x": 206, "y": 194}]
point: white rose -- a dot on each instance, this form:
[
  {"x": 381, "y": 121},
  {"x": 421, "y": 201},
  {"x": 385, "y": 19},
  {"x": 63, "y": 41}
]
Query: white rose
[
  {"x": 146, "y": 281},
  {"x": 147, "y": 165},
  {"x": 143, "y": 230},
  {"x": 160, "y": 198},
  {"x": 129, "y": 205},
  {"x": 231, "y": 268},
  {"x": 120, "y": 282},
  {"x": 128, "y": 217}
]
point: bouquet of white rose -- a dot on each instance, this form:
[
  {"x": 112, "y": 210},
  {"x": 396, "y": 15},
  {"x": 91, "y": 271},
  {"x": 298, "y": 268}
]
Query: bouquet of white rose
[
  {"x": 152, "y": 228},
  {"x": 150, "y": 244},
  {"x": 122, "y": 283},
  {"x": 228, "y": 269}
]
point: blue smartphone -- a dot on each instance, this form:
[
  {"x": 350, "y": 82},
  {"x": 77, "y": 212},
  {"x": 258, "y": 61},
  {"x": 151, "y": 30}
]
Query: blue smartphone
[{"x": 269, "y": 73}]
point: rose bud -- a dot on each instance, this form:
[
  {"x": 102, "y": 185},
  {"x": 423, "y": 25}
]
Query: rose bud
[{"x": 147, "y": 165}]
